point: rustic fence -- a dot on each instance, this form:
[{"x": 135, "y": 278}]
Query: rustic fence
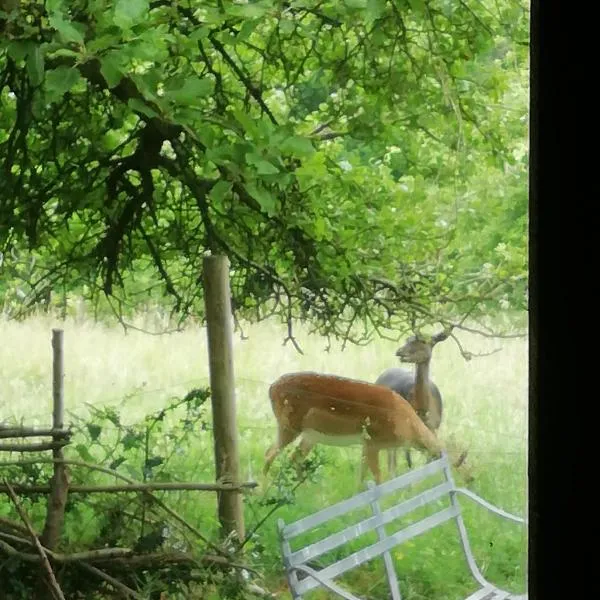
[{"x": 227, "y": 487}]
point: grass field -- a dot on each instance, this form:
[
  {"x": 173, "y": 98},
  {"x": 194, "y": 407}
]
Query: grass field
[{"x": 485, "y": 411}]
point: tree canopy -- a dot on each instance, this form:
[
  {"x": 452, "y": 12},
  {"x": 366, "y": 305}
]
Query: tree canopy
[{"x": 362, "y": 163}]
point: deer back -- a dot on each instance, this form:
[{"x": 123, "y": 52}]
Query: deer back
[{"x": 294, "y": 394}]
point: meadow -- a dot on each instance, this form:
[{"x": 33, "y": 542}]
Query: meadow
[{"x": 485, "y": 412}]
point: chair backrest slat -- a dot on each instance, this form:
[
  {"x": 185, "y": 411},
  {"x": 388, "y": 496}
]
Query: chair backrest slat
[
  {"x": 362, "y": 499},
  {"x": 352, "y": 532}
]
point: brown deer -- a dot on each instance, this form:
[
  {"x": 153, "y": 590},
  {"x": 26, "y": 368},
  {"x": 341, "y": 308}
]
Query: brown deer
[
  {"x": 338, "y": 411},
  {"x": 416, "y": 386}
]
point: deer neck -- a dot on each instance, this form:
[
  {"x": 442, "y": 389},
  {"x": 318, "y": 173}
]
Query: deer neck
[{"x": 422, "y": 392}]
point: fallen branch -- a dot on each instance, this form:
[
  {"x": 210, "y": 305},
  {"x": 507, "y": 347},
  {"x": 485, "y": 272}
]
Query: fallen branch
[
  {"x": 53, "y": 584},
  {"x": 136, "y": 487},
  {"x": 103, "y": 554},
  {"x": 125, "y": 556},
  {"x": 12, "y": 525},
  {"x": 38, "y": 447},
  {"x": 19, "y": 432}
]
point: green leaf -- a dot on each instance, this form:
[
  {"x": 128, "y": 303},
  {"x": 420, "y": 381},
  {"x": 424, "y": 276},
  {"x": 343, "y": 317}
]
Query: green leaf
[
  {"x": 246, "y": 30},
  {"x": 35, "y": 65},
  {"x": 264, "y": 167},
  {"x": 94, "y": 430},
  {"x": 64, "y": 52},
  {"x": 220, "y": 190},
  {"x": 117, "y": 463},
  {"x": 418, "y": 6},
  {"x": 249, "y": 11},
  {"x": 84, "y": 453},
  {"x": 199, "y": 34},
  {"x": 59, "y": 81},
  {"x": 112, "y": 415},
  {"x": 263, "y": 197},
  {"x": 355, "y": 3},
  {"x": 131, "y": 440},
  {"x": 286, "y": 26},
  {"x": 19, "y": 49},
  {"x": 130, "y": 12},
  {"x": 320, "y": 228},
  {"x": 149, "y": 464},
  {"x": 192, "y": 89},
  {"x": 66, "y": 29},
  {"x": 206, "y": 135},
  {"x": 140, "y": 106},
  {"x": 244, "y": 120},
  {"x": 375, "y": 8},
  {"x": 111, "y": 65},
  {"x": 154, "y": 461},
  {"x": 297, "y": 146}
]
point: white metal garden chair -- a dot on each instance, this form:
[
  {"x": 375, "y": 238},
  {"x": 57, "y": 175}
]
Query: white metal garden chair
[{"x": 303, "y": 576}]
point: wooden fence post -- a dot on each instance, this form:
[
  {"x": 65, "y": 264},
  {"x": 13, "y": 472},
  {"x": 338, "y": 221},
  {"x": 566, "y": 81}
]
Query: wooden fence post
[
  {"x": 60, "y": 482},
  {"x": 217, "y": 299}
]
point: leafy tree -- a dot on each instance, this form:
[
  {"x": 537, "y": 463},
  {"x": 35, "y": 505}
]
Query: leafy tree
[{"x": 327, "y": 147}]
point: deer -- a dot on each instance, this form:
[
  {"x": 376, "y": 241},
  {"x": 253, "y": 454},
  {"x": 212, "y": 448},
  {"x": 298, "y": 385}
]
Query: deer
[
  {"x": 416, "y": 386},
  {"x": 338, "y": 411}
]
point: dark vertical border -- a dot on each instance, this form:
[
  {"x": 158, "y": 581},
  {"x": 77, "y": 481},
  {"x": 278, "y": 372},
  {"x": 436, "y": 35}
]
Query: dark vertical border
[
  {"x": 564, "y": 271},
  {"x": 534, "y": 412}
]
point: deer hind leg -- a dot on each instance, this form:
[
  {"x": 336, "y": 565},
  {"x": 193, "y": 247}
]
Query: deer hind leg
[
  {"x": 371, "y": 454},
  {"x": 392, "y": 462},
  {"x": 408, "y": 458},
  {"x": 285, "y": 437},
  {"x": 364, "y": 463}
]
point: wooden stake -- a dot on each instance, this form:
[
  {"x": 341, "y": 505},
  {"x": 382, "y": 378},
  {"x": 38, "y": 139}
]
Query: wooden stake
[
  {"x": 60, "y": 482},
  {"x": 217, "y": 300}
]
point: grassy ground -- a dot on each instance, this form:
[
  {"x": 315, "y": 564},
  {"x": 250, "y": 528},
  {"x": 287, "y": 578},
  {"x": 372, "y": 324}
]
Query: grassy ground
[{"x": 485, "y": 411}]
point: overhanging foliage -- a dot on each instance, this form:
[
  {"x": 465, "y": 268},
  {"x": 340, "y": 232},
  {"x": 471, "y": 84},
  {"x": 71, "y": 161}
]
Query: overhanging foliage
[{"x": 361, "y": 163}]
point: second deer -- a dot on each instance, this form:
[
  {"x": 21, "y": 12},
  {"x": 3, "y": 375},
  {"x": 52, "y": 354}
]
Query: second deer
[
  {"x": 338, "y": 411},
  {"x": 416, "y": 386}
]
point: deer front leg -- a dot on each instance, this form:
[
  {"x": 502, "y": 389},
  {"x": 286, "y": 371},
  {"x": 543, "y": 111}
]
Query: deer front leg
[
  {"x": 301, "y": 452},
  {"x": 408, "y": 458},
  {"x": 285, "y": 436}
]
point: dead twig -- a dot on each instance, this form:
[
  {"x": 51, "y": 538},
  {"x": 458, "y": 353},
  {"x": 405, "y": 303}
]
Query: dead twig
[
  {"x": 53, "y": 584},
  {"x": 112, "y": 581},
  {"x": 469, "y": 355}
]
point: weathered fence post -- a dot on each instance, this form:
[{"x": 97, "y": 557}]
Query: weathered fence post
[
  {"x": 60, "y": 482},
  {"x": 217, "y": 299}
]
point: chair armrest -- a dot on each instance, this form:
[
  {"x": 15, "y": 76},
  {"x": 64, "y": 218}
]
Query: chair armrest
[
  {"x": 490, "y": 507},
  {"x": 326, "y": 584}
]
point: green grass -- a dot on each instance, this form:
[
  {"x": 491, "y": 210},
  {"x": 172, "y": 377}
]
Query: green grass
[{"x": 485, "y": 411}]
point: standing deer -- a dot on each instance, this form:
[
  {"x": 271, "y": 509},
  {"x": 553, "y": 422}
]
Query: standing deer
[
  {"x": 416, "y": 386},
  {"x": 337, "y": 411}
]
